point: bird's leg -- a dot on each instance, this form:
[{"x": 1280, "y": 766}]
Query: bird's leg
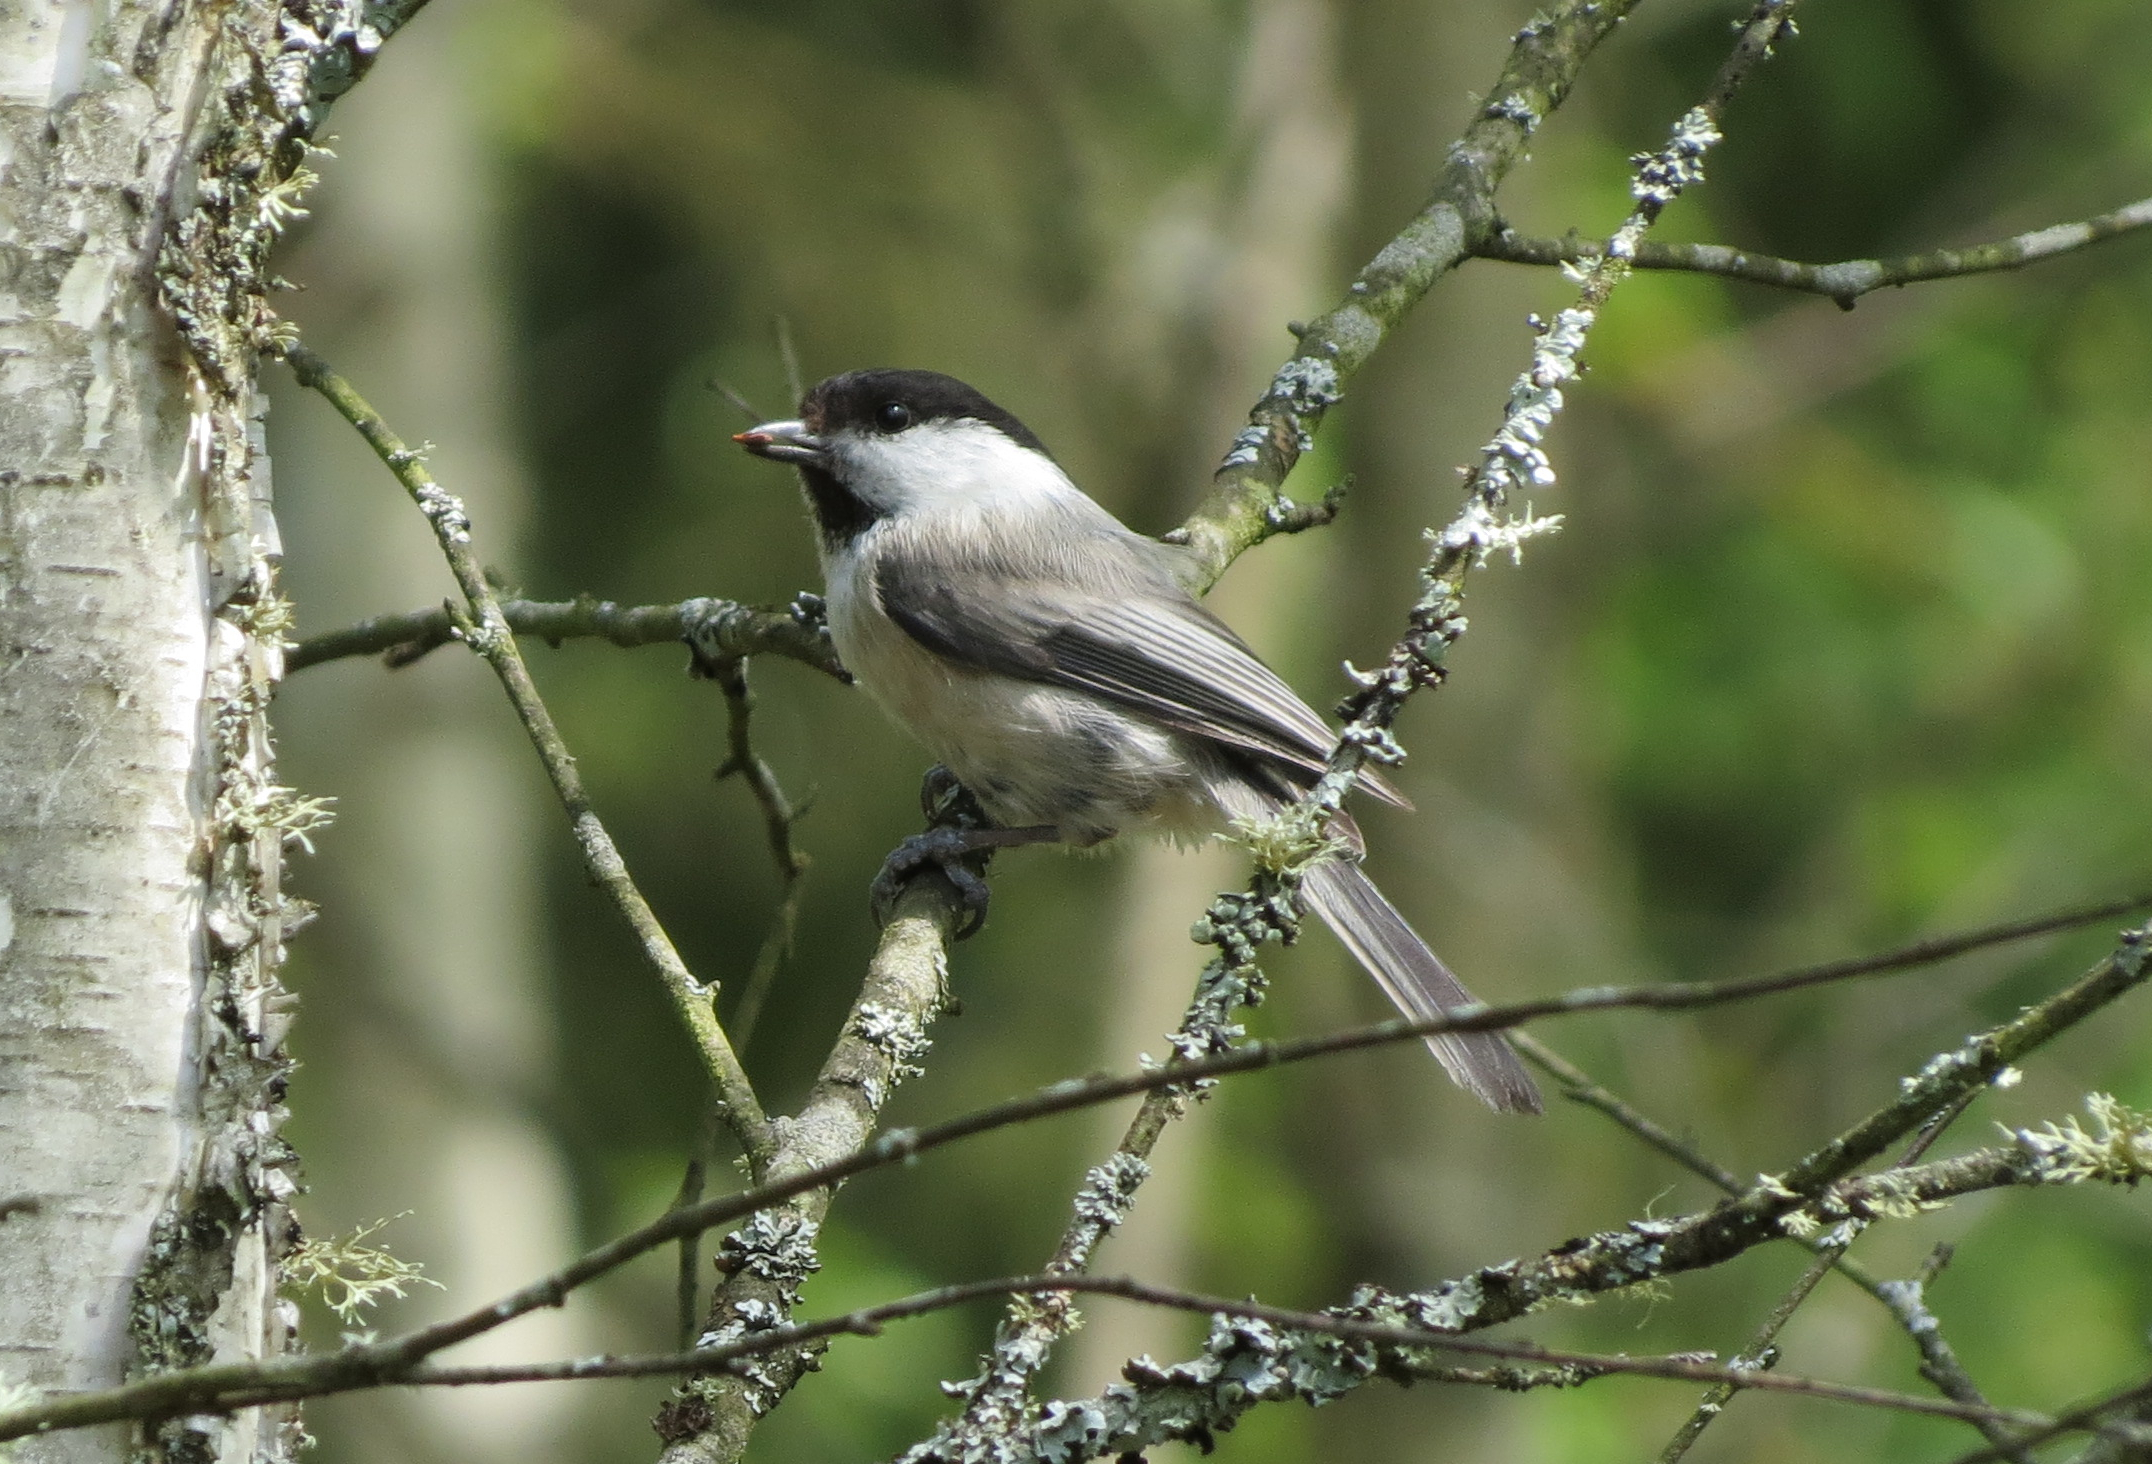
[{"x": 959, "y": 845}]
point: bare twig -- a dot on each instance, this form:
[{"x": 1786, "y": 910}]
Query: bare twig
[
  {"x": 687, "y": 1293},
  {"x": 487, "y": 632},
  {"x": 790, "y": 356},
  {"x": 2120, "y": 1408},
  {"x": 1401, "y": 1347},
  {"x": 738, "y": 401},
  {"x": 779, "y": 817},
  {"x": 796, "y": 632},
  {"x": 1754, "y": 1360},
  {"x": 1761, "y": 1349},
  {"x": 1845, "y": 281},
  {"x": 2124, "y": 1433}
]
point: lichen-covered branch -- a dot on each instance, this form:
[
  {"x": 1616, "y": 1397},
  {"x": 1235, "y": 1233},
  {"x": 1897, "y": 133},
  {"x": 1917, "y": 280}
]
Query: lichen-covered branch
[
  {"x": 765, "y": 1262},
  {"x": 1399, "y": 1350},
  {"x": 1845, "y": 281},
  {"x": 775, "y": 1251},
  {"x": 1816, "y": 1195},
  {"x": 1245, "y": 504},
  {"x": 1939, "y": 1362},
  {"x": 716, "y": 628},
  {"x": 486, "y": 631},
  {"x": 879, "y": 1048},
  {"x": 1761, "y": 1350}
]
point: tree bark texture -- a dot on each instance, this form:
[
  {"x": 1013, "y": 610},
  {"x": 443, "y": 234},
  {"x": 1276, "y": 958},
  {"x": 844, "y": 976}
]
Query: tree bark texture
[{"x": 147, "y": 155}]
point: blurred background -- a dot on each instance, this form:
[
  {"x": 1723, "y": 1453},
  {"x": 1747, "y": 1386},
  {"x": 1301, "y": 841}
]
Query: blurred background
[{"x": 1847, "y": 640}]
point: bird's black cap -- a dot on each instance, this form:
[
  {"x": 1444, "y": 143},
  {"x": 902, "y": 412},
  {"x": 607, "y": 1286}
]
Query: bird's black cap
[{"x": 861, "y": 400}]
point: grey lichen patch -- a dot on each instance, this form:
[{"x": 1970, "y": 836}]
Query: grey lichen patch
[
  {"x": 443, "y": 508},
  {"x": 1661, "y": 177},
  {"x": 285, "y": 64},
  {"x": 1515, "y": 109},
  {"x": 1108, "y": 1190},
  {"x": 767, "y": 1261},
  {"x": 897, "y": 1035},
  {"x": 1514, "y": 461},
  {"x": 1304, "y": 388},
  {"x": 1243, "y": 1362},
  {"x": 1247, "y": 448},
  {"x": 776, "y": 1245}
]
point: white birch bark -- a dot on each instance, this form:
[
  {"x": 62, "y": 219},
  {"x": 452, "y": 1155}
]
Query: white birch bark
[{"x": 141, "y": 921}]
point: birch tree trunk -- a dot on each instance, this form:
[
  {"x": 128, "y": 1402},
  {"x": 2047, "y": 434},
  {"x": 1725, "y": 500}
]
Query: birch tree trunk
[{"x": 149, "y": 150}]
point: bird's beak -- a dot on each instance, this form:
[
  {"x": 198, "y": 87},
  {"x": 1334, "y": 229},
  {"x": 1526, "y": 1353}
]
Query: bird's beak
[{"x": 784, "y": 442}]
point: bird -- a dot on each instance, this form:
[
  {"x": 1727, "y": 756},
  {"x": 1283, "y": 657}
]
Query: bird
[{"x": 1058, "y": 665}]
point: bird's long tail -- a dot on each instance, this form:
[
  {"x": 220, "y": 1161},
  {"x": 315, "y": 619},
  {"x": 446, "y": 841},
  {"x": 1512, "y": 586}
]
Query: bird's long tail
[{"x": 1415, "y": 979}]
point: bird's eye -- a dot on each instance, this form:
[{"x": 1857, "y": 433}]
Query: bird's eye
[{"x": 892, "y": 416}]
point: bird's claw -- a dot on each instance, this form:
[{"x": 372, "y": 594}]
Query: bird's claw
[{"x": 961, "y": 860}]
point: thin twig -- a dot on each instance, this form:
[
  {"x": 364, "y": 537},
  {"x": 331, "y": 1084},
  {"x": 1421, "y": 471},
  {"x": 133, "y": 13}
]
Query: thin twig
[
  {"x": 1845, "y": 281},
  {"x": 869, "y": 1321},
  {"x": 1753, "y": 1360},
  {"x": 1761, "y": 1349},
  {"x": 487, "y": 632},
  {"x": 2075, "y": 1420},
  {"x": 790, "y": 356},
  {"x": 1939, "y": 1363},
  {"x": 738, "y": 401},
  {"x": 795, "y": 632},
  {"x": 687, "y": 1279},
  {"x": 779, "y": 817}
]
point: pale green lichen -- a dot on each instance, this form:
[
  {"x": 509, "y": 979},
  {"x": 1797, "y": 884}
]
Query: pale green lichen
[
  {"x": 253, "y": 808},
  {"x": 2117, "y": 1147},
  {"x": 1894, "y": 1196},
  {"x": 351, "y": 1275},
  {"x": 1285, "y": 843}
]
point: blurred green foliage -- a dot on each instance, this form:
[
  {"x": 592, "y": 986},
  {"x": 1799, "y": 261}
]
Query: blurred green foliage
[{"x": 1848, "y": 638}]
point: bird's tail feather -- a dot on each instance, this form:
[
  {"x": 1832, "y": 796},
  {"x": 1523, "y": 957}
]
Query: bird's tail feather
[{"x": 1415, "y": 979}]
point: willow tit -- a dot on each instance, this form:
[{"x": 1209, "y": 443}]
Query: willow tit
[{"x": 1055, "y": 661}]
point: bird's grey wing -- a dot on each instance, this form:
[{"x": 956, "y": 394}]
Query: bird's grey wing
[{"x": 1151, "y": 649}]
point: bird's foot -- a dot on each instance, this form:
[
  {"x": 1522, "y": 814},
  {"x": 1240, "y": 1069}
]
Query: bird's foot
[
  {"x": 959, "y": 845},
  {"x": 959, "y": 853}
]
